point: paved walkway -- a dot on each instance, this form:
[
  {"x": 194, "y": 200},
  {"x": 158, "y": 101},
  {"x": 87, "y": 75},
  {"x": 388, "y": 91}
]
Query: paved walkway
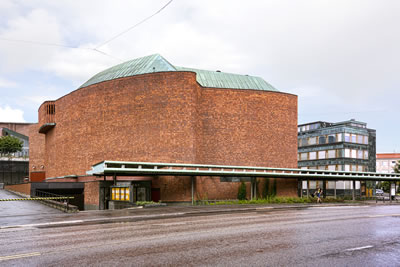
[
  {"x": 19, "y": 212},
  {"x": 16, "y": 213}
]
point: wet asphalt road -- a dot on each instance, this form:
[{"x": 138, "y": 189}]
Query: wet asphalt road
[{"x": 304, "y": 236}]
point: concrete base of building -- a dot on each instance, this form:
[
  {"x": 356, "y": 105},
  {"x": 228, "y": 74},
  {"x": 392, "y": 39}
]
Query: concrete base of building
[
  {"x": 116, "y": 205},
  {"x": 91, "y": 207}
]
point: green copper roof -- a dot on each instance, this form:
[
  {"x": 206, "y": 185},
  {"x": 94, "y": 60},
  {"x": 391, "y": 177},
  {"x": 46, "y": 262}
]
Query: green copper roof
[
  {"x": 156, "y": 63},
  {"x": 219, "y": 79},
  {"x": 153, "y": 63}
]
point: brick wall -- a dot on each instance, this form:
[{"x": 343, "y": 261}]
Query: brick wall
[
  {"x": 168, "y": 117},
  {"x": 143, "y": 118},
  {"x": 21, "y": 188},
  {"x": 36, "y": 150},
  {"x": 22, "y": 128},
  {"x": 248, "y": 127},
  {"x": 91, "y": 193}
]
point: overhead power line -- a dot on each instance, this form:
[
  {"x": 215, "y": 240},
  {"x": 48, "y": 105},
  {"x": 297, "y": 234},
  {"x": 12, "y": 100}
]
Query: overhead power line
[
  {"x": 40, "y": 43},
  {"x": 59, "y": 45},
  {"x": 96, "y": 49},
  {"x": 134, "y": 26}
]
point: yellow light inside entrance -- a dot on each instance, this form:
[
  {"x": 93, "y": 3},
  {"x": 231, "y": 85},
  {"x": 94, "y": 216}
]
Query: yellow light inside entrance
[{"x": 127, "y": 194}]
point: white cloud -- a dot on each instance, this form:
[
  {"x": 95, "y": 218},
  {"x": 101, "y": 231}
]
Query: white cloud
[
  {"x": 39, "y": 99},
  {"x": 340, "y": 57},
  {"x": 8, "y": 114},
  {"x": 37, "y": 26},
  {"x": 7, "y": 84},
  {"x": 78, "y": 65}
]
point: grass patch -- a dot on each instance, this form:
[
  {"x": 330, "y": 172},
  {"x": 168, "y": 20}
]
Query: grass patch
[
  {"x": 269, "y": 200},
  {"x": 142, "y": 203}
]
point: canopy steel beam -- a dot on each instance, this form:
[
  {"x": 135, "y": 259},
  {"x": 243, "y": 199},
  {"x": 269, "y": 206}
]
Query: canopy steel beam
[{"x": 176, "y": 169}]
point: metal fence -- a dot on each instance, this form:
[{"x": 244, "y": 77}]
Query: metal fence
[{"x": 53, "y": 197}]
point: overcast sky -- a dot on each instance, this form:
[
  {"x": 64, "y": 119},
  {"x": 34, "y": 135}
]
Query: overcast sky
[{"x": 342, "y": 58}]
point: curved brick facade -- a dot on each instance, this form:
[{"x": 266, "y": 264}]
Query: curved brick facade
[{"x": 169, "y": 117}]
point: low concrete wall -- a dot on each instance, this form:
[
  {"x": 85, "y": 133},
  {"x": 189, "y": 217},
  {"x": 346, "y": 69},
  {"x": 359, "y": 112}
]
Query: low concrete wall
[
  {"x": 116, "y": 205},
  {"x": 60, "y": 206},
  {"x": 20, "y": 188}
]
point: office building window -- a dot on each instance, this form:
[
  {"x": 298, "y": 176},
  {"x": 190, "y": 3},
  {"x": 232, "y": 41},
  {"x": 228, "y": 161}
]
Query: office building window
[
  {"x": 313, "y": 155},
  {"x": 321, "y": 154},
  {"x": 347, "y": 168},
  {"x": 331, "y": 138},
  {"x": 331, "y": 154},
  {"x": 303, "y": 156},
  {"x": 303, "y": 141},
  {"x": 366, "y": 140},
  {"x": 365, "y": 154},
  {"x": 347, "y": 137},
  {"x": 360, "y": 139},
  {"x": 339, "y": 137},
  {"x": 347, "y": 153},
  {"x": 322, "y": 140},
  {"x": 312, "y": 141},
  {"x": 332, "y": 167}
]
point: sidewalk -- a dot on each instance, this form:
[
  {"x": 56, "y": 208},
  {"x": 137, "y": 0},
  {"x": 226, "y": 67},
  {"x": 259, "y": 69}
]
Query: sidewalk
[
  {"x": 143, "y": 214},
  {"x": 140, "y": 213}
]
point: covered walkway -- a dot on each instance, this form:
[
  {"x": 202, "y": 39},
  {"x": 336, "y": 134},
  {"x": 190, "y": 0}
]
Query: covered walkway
[{"x": 126, "y": 168}]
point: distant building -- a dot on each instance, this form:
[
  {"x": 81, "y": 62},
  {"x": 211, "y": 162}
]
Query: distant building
[
  {"x": 385, "y": 162},
  {"x": 24, "y": 153},
  {"x": 19, "y": 127},
  {"x": 15, "y": 168},
  {"x": 342, "y": 146}
]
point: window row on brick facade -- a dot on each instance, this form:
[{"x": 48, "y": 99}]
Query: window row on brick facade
[
  {"x": 333, "y": 153},
  {"x": 333, "y": 138}
]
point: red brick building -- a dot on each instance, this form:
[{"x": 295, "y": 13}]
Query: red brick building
[{"x": 150, "y": 110}]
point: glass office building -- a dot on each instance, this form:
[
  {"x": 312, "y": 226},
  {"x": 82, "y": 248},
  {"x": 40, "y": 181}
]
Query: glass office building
[{"x": 342, "y": 146}]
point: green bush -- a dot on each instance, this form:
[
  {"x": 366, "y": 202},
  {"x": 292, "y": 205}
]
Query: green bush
[
  {"x": 273, "y": 191},
  {"x": 141, "y": 203},
  {"x": 268, "y": 200},
  {"x": 242, "y": 191}
]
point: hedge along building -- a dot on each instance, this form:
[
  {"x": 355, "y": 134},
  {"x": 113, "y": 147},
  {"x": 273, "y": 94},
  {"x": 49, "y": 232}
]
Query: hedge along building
[{"x": 148, "y": 110}]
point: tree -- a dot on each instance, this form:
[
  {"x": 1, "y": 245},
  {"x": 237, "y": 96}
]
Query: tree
[
  {"x": 242, "y": 191},
  {"x": 385, "y": 186},
  {"x": 10, "y": 144},
  {"x": 397, "y": 167}
]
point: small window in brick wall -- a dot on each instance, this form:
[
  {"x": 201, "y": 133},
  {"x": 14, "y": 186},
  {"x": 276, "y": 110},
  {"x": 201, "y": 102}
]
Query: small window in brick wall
[{"x": 51, "y": 109}]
